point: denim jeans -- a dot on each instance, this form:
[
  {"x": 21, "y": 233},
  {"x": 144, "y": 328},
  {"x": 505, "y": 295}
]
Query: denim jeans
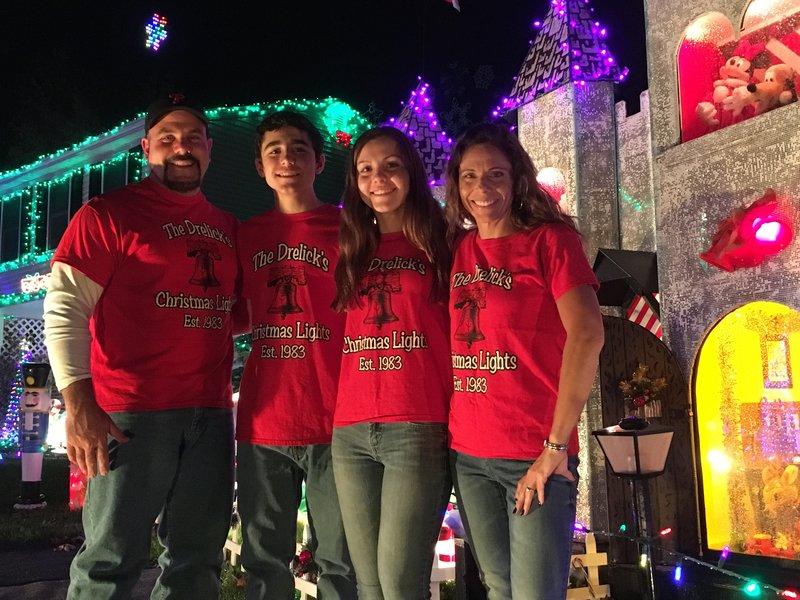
[
  {"x": 178, "y": 463},
  {"x": 394, "y": 483},
  {"x": 270, "y": 483},
  {"x": 520, "y": 557}
]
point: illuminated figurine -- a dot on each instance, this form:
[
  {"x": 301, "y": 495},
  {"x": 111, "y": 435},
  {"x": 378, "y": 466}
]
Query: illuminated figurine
[{"x": 35, "y": 410}]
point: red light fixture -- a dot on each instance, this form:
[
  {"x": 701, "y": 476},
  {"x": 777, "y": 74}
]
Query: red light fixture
[{"x": 751, "y": 234}]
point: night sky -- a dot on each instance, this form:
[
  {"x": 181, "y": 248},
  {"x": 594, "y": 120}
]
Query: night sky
[{"x": 74, "y": 69}]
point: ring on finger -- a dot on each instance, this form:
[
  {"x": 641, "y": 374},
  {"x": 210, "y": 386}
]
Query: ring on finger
[{"x": 528, "y": 489}]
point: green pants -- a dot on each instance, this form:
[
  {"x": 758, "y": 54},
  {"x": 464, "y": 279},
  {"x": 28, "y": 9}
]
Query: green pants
[
  {"x": 270, "y": 480},
  {"x": 179, "y": 464}
]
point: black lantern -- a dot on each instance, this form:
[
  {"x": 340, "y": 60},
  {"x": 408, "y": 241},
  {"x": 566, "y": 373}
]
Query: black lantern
[{"x": 636, "y": 450}]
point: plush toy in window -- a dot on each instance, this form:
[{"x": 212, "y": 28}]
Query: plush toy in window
[
  {"x": 734, "y": 76},
  {"x": 777, "y": 89}
]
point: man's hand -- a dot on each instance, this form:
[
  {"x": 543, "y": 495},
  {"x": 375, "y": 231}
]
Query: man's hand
[{"x": 88, "y": 427}]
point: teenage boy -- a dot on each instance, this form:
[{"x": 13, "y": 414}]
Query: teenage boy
[{"x": 288, "y": 392}]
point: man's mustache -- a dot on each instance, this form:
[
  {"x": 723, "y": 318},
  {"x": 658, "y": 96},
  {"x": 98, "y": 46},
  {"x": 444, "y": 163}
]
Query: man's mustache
[{"x": 171, "y": 160}]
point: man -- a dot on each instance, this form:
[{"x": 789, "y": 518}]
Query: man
[
  {"x": 288, "y": 391},
  {"x": 138, "y": 330}
]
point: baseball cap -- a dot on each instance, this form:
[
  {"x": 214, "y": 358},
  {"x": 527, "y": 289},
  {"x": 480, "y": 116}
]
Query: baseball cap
[{"x": 169, "y": 103}]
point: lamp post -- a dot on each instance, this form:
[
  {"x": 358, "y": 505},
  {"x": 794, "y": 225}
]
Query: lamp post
[{"x": 637, "y": 450}]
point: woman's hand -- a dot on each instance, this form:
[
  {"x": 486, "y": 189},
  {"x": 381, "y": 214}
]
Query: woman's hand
[{"x": 532, "y": 483}]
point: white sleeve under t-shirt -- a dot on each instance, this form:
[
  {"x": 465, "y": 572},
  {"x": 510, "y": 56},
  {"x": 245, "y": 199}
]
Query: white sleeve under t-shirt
[{"x": 68, "y": 305}]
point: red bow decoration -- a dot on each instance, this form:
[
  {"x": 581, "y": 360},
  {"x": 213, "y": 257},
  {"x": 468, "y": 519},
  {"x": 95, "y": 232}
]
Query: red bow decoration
[
  {"x": 750, "y": 235},
  {"x": 343, "y": 138}
]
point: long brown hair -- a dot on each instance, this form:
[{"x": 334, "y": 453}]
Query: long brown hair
[
  {"x": 424, "y": 224},
  {"x": 531, "y": 206}
]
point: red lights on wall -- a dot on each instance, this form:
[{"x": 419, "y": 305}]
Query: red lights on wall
[{"x": 751, "y": 234}]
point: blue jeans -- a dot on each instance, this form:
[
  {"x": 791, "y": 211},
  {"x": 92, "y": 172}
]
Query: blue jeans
[
  {"x": 270, "y": 486},
  {"x": 520, "y": 557},
  {"x": 393, "y": 483},
  {"x": 178, "y": 463}
]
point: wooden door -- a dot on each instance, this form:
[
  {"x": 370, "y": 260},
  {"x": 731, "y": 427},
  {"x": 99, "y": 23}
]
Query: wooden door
[{"x": 674, "y": 494}]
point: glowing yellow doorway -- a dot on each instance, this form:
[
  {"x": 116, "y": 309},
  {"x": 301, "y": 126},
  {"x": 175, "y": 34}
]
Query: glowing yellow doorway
[{"x": 748, "y": 415}]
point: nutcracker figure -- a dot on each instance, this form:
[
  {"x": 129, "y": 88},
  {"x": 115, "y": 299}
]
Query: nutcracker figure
[{"x": 35, "y": 410}]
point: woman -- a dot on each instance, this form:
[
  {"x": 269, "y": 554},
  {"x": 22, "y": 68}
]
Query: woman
[
  {"x": 389, "y": 448},
  {"x": 526, "y": 333}
]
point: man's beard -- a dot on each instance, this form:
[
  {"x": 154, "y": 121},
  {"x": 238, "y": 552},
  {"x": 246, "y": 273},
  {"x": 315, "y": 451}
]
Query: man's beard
[{"x": 181, "y": 185}]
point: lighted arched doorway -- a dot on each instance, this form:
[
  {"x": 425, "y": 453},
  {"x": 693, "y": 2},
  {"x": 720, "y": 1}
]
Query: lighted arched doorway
[{"x": 748, "y": 423}]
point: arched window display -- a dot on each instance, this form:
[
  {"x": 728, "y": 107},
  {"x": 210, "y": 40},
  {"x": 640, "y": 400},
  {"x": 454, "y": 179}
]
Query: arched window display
[
  {"x": 748, "y": 423},
  {"x": 725, "y": 77}
]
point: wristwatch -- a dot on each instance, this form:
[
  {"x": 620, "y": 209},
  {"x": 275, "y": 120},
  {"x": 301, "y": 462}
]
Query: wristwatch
[{"x": 554, "y": 447}]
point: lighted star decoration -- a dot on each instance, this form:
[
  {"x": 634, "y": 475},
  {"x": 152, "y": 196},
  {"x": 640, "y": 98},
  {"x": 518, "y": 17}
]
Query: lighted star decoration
[{"x": 156, "y": 31}]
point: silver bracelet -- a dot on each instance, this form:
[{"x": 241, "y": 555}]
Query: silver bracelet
[{"x": 555, "y": 447}]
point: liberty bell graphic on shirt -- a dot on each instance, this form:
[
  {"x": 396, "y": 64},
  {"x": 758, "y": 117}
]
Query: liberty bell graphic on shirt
[
  {"x": 204, "y": 255},
  {"x": 285, "y": 279},
  {"x": 378, "y": 288},
  {"x": 470, "y": 301}
]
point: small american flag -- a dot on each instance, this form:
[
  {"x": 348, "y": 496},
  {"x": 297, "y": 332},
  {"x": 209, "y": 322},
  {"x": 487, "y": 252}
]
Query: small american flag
[{"x": 640, "y": 313}]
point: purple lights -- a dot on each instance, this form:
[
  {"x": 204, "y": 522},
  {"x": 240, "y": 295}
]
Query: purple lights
[
  {"x": 580, "y": 527},
  {"x": 9, "y": 431},
  {"x": 419, "y": 122},
  {"x": 569, "y": 47}
]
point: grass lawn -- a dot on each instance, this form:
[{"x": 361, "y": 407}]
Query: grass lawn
[{"x": 48, "y": 527}]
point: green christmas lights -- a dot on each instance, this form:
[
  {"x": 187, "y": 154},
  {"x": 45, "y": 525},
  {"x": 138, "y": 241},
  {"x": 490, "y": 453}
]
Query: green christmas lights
[
  {"x": 334, "y": 115},
  {"x": 65, "y": 176},
  {"x": 20, "y": 297},
  {"x": 339, "y": 115},
  {"x": 30, "y": 258},
  {"x": 243, "y": 343},
  {"x": 74, "y": 147},
  {"x": 635, "y": 203}
]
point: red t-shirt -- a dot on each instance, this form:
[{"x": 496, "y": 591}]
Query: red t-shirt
[
  {"x": 288, "y": 390},
  {"x": 395, "y": 363},
  {"x": 507, "y": 338},
  {"x": 161, "y": 331}
]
